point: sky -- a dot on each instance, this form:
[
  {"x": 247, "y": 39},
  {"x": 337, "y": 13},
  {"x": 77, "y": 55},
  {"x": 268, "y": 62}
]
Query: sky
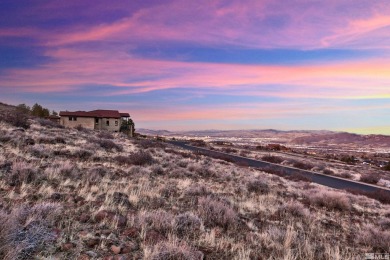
[{"x": 205, "y": 64}]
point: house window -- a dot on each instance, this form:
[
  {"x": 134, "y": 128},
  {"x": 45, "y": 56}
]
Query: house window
[
  {"x": 107, "y": 123},
  {"x": 96, "y": 121},
  {"x": 116, "y": 122},
  {"x": 72, "y": 118}
]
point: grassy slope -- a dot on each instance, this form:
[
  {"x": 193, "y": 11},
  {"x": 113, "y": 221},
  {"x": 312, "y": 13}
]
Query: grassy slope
[{"x": 79, "y": 194}]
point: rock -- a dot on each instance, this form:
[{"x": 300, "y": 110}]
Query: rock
[
  {"x": 129, "y": 247},
  {"x": 92, "y": 254},
  {"x": 115, "y": 249},
  {"x": 122, "y": 199},
  {"x": 357, "y": 208},
  {"x": 84, "y": 218},
  {"x": 101, "y": 197},
  {"x": 57, "y": 196},
  {"x": 131, "y": 232},
  {"x": 29, "y": 141},
  {"x": 112, "y": 236},
  {"x": 330, "y": 223},
  {"x": 78, "y": 199},
  {"x": 106, "y": 232},
  {"x": 121, "y": 221},
  {"x": 119, "y": 196},
  {"x": 153, "y": 237},
  {"x": 83, "y": 233},
  {"x": 83, "y": 257},
  {"x": 6, "y": 167},
  {"x": 67, "y": 246},
  {"x": 104, "y": 214},
  {"x": 91, "y": 242}
]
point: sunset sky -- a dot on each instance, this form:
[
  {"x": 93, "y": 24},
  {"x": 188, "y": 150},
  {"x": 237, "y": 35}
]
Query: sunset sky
[{"x": 192, "y": 65}]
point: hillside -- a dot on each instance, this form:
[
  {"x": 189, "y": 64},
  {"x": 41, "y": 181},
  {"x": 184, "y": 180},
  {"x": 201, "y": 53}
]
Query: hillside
[{"x": 80, "y": 194}]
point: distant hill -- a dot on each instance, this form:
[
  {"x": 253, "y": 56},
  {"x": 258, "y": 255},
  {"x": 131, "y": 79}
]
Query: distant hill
[{"x": 344, "y": 138}]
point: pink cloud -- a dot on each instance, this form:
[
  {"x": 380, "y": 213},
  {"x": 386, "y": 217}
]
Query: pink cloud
[
  {"x": 255, "y": 24},
  {"x": 73, "y": 69}
]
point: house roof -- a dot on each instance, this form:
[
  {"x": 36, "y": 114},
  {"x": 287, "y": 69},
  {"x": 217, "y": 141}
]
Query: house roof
[
  {"x": 124, "y": 114},
  {"x": 96, "y": 113}
]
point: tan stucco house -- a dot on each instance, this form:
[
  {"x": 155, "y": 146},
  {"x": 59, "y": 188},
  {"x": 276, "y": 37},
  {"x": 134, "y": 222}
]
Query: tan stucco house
[{"x": 109, "y": 120}]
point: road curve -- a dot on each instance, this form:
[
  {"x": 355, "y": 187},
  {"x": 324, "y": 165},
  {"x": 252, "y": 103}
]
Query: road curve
[{"x": 326, "y": 180}]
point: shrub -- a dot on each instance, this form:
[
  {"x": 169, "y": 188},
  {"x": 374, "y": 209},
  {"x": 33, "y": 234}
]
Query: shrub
[
  {"x": 174, "y": 250},
  {"x": 229, "y": 150},
  {"x": 272, "y": 159},
  {"x": 141, "y": 158},
  {"x": 109, "y": 145},
  {"x": 105, "y": 135},
  {"x": 40, "y": 151},
  {"x": 302, "y": 165},
  {"x": 169, "y": 190},
  {"x": 47, "y": 140},
  {"x": 199, "y": 143},
  {"x": 299, "y": 177},
  {"x": 121, "y": 159},
  {"x": 187, "y": 224},
  {"x": 331, "y": 200},
  {"x": 293, "y": 208},
  {"x": 82, "y": 154},
  {"x": 258, "y": 186},
  {"x": 204, "y": 171},
  {"x": 379, "y": 195},
  {"x": 387, "y": 167},
  {"x": 370, "y": 178},
  {"x": 21, "y": 172},
  {"x": 81, "y": 129},
  {"x": 66, "y": 169},
  {"x": 60, "y": 140},
  {"x": 158, "y": 170},
  {"x": 328, "y": 172},
  {"x": 49, "y": 124},
  {"x": 95, "y": 174},
  {"x": 216, "y": 212},
  {"x": 138, "y": 158},
  {"x": 145, "y": 144},
  {"x": 384, "y": 224},
  {"x": 346, "y": 175},
  {"x": 158, "y": 220},
  {"x": 15, "y": 119},
  {"x": 26, "y": 230},
  {"x": 197, "y": 190},
  {"x": 377, "y": 239},
  {"x": 5, "y": 138}
]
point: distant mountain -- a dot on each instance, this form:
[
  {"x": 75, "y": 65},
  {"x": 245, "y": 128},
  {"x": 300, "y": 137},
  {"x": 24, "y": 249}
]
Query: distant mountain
[
  {"x": 344, "y": 138},
  {"x": 154, "y": 132}
]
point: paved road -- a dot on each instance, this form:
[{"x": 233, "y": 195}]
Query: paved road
[{"x": 326, "y": 180}]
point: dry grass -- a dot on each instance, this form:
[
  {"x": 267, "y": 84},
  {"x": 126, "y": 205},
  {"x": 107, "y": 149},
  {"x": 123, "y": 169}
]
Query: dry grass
[{"x": 70, "y": 194}]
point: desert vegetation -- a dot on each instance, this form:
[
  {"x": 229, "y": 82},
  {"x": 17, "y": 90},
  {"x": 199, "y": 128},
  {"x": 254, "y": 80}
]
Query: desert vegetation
[{"x": 80, "y": 194}]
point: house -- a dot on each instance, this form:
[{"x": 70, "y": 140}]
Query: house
[{"x": 109, "y": 120}]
